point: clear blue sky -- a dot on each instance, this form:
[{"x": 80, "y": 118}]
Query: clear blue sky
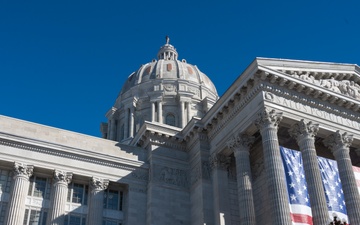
[{"x": 63, "y": 63}]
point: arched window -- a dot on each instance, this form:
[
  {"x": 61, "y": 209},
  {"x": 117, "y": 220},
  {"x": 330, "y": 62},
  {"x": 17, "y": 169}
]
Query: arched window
[{"x": 170, "y": 119}]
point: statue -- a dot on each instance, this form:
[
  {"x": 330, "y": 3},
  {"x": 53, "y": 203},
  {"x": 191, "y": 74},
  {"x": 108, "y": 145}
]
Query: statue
[{"x": 167, "y": 39}]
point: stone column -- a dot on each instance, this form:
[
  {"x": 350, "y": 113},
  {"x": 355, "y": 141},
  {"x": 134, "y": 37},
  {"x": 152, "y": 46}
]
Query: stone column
[
  {"x": 112, "y": 129},
  {"x": 152, "y": 111},
  {"x": 160, "y": 112},
  {"x": 126, "y": 123},
  {"x": 339, "y": 145},
  {"x": 188, "y": 111},
  {"x": 240, "y": 145},
  {"x": 131, "y": 128},
  {"x": 305, "y": 133},
  {"x": 267, "y": 123},
  {"x": 182, "y": 107},
  {"x": 219, "y": 164},
  {"x": 20, "y": 187},
  {"x": 97, "y": 187},
  {"x": 58, "y": 198}
]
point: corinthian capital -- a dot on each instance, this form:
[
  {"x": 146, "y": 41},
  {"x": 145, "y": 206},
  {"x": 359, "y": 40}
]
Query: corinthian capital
[
  {"x": 62, "y": 177},
  {"x": 302, "y": 129},
  {"x": 266, "y": 118},
  {"x": 338, "y": 141},
  {"x": 240, "y": 142},
  {"x": 98, "y": 184},
  {"x": 219, "y": 161},
  {"x": 23, "y": 170}
]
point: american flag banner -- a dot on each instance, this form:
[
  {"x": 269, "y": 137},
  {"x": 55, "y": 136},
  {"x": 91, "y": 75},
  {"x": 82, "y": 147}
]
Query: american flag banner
[{"x": 299, "y": 201}]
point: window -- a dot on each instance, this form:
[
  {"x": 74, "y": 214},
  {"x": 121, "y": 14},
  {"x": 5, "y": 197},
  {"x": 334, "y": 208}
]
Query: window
[
  {"x": 73, "y": 219},
  {"x": 111, "y": 222},
  {"x": 2, "y": 212},
  {"x": 170, "y": 119},
  {"x": 35, "y": 217},
  {"x": 78, "y": 193},
  {"x": 39, "y": 187},
  {"x": 113, "y": 199},
  {"x": 5, "y": 181}
]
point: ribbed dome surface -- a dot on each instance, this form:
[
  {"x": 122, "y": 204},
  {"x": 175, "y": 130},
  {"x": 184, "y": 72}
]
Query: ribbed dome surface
[{"x": 168, "y": 67}]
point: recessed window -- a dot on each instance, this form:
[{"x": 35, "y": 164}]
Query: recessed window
[
  {"x": 74, "y": 219},
  {"x": 113, "y": 199},
  {"x": 39, "y": 187},
  {"x": 111, "y": 222},
  {"x": 170, "y": 119},
  {"x": 35, "y": 217},
  {"x": 5, "y": 181},
  {"x": 78, "y": 193}
]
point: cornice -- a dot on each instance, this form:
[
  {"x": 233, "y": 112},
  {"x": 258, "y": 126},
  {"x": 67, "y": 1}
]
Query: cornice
[
  {"x": 70, "y": 153},
  {"x": 161, "y": 139}
]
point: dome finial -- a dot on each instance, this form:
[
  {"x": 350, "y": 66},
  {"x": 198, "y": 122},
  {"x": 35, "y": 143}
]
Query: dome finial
[{"x": 167, "y": 39}]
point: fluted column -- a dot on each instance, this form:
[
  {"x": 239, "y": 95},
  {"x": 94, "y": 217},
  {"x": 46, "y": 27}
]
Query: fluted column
[
  {"x": 97, "y": 187},
  {"x": 219, "y": 164},
  {"x": 112, "y": 129},
  {"x": 240, "y": 145},
  {"x": 188, "y": 111},
  {"x": 152, "y": 111},
  {"x": 126, "y": 123},
  {"x": 305, "y": 133},
  {"x": 267, "y": 123},
  {"x": 58, "y": 198},
  {"x": 182, "y": 107},
  {"x": 132, "y": 119},
  {"x": 160, "y": 116},
  {"x": 18, "y": 194},
  {"x": 339, "y": 145}
]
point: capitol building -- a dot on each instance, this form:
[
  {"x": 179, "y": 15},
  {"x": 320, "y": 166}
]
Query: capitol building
[{"x": 173, "y": 152}]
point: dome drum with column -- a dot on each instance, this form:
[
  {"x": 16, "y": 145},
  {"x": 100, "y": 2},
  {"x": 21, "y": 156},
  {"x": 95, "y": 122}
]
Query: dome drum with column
[{"x": 165, "y": 91}]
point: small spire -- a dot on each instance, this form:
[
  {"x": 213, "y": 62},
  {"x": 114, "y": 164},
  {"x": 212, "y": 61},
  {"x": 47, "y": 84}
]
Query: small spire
[{"x": 167, "y": 39}]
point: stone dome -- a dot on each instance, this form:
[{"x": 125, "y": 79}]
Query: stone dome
[
  {"x": 168, "y": 67},
  {"x": 165, "y": 91}
]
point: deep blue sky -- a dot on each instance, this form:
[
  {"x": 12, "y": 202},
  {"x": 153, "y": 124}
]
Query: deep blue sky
[{"x": 63, "y": 63}]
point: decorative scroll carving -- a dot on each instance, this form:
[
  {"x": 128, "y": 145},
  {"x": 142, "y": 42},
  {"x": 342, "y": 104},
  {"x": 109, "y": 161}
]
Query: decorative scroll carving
[
  {"x": 338, "y": 141},
  {"x": 267, "y": 117},
  {"x": 240, "y": 142},
  {"x": 219, "y": 161},
  {"x": 173, "y": 176},
  {"x": 169, "y": 88},
  {"x": 62, "y": 177},
  {"x": 301, "y": 129},
  {"x": 21, "y": 169},
  {"x": 98, "y": 184}
]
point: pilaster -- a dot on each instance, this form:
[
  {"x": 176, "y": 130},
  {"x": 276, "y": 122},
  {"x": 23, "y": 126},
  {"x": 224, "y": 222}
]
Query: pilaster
[
  {"x": 240, "y": 145},
  {"x": 339, "y": 145},
  {"x": 305, "y": 133},
  {"x": 219, "y": 164},
  {"x": 58, "y": 198},
  {"x": 97, "y": 187},
  {"x": 268, "y": 122},
  {"x": 16, "y": 210}
]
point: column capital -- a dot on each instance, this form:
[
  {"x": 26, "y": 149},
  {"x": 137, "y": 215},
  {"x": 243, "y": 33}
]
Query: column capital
[
  {"x": 98, "y": 184},
  {"x": 268, "y": 117},
  {"x": 338, "y": 141},
  {"x": 240, "y": 142},
  {"x": 302, "y": 129},
  {"x": 21, "y": 169},
  {"x": 219, "y": 161},
  {"x": 62, "y": 177}
]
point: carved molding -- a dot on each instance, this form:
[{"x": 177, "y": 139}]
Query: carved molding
[
  {"x": 302, "y": 129},
  {"x": 268, "y": 118},
  {"x": 21, "y": 169},
  {"x": 98, "y": 184},
  {"x": 62, "y": 177},
  {"x": 338, "y": 141},
  {"x": 219, "y": 161}
]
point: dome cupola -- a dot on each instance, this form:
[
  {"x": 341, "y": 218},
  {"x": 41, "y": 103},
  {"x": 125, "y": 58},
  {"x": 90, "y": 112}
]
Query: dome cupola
[{"x": 165, "y": 91}]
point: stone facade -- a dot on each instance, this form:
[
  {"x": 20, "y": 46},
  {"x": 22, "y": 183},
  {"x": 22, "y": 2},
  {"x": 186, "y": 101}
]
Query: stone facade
[{"x": 215, "y": 162}]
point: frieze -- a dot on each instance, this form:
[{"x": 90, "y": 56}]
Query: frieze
[
  {"x": 140, "y": 175},
  {"x": 318, "y": 109},
  {"x": 172, "y": 176}
]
